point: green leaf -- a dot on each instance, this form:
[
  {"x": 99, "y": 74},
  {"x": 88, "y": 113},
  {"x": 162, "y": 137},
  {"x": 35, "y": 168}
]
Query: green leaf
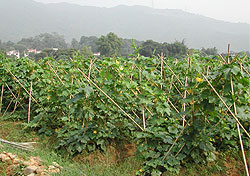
[
  {"x": 172, "y": 130},
  {"x": 211, "y": 157},
  {"x": 88, "y": 90},
  {"x": 76, "y": 98}
]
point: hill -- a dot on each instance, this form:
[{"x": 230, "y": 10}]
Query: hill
[{"x": 28, "y": 18}]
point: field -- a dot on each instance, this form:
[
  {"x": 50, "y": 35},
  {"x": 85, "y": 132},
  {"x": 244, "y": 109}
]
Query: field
[{"x": 161, "y": 114}]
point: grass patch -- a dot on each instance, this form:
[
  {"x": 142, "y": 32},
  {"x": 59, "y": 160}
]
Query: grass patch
[
  {"x": 96, "y": 164},
  {"x": 109, "y": 163}
]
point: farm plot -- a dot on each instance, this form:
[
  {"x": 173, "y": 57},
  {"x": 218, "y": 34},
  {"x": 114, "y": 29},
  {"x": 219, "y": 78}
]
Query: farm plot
[{"x": 175, "y": 111}]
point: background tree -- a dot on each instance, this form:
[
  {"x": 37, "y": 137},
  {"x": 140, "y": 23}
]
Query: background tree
[
  {"x": 109, "y": 45},
  {"x": 75, "y": 44},
  {"x": 43, "y": 41},
  {"x": 151, "y": 48},
  {"x": 126, "y": 48},
  {"x": 86, "y": 52},
  {"x": 210, "y": 51},
  {"x": 91, "y": 42}
]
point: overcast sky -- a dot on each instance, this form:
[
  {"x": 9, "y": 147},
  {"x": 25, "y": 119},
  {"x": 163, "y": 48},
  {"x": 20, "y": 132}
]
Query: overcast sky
[{"x": 228, "y": 10}]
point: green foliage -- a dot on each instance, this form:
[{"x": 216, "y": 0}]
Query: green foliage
[
  {"x": 86, "y": 52},
  {"x": 81, "y": 118},
  {"x": 64, "y": 54},
  {"x": 209, "y": 51},
  {"x": 43, "y": 41},
  {"x": 151, "y": 48},
  {"x": 109, "y": 45}
]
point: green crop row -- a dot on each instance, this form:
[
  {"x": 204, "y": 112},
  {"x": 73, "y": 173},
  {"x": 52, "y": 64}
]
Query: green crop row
[{"x": 175, "y": 111}]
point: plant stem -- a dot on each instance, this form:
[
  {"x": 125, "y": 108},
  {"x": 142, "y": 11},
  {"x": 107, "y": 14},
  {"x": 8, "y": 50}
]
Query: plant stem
[
  {"x": 238, "y": 127},
  {"x": 111, "y": 99},
  {"x": 1, "y": 99},
  {"x": 29, "y": 102},
  {"x": 143, "y": 118},
  {"x": 237, "y": 120},
  {"x": 176, "y": 140}
]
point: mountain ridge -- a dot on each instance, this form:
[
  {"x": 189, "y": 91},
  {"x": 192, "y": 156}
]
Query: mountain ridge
[{"x": 29, "y": 18}]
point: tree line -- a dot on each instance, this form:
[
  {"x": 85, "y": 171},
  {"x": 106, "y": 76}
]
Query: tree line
[{"x": 108, "y": 45}]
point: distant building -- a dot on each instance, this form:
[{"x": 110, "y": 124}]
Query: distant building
[
  {"x": 97, "y": 54},
  {"x": 13, "y": 53},
  {"x": 32, "y": 51}
]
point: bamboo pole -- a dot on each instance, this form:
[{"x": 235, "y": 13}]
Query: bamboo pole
[
  {"x": 1, "y": 99},
  {"x": 180, "y": 150},
  {"x": 173, "y": 73},
  {"x": 176, "y": 140},
  {"x": 185, "y": 93},
  {"x": 58, "y": 77},
  {"x": 8, "y": 106},
  {"x": 237, "y": 120},
  {"x": 222, "y": 58},
  {"x": 238, "y": 127},
  {"x": 29, "y": 102},
  {"x": 143, "y": 118},
  {"x": 228, "y": 53},
  {"x": 177, "y": 90},
  {"x": 131, "y": 76},
  {"x": 139, "y": 74},
  {"x": 10, "y": 91},
  {"x": 70, "y": 97},
  {"x": 110, "y": 99},
  {"x": 171, "y": 83},
  {"x": 243, "y": 68},
  {"x": 55, "y": 73},
  {"x": 208, "y": 70},
  {"x": 22, "y": 86},
  {"x": 184, "y": 104},
  {"x": 173, "y": 106},
  {"x": 90, "y": 67},
  {"x": 162, "y": 64},
  {"x": 16, "y": 101}
]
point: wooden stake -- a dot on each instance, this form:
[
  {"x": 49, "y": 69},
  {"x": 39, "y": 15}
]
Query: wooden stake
[
  {"x": 176, "y": 140},
  {"x": 1, "y": 99},
  {"x": 184, "y": 104},
  {"x": 139, "y": 74},
  {"x": 237, "y": 120},
  {"x": 177, "y": 90},
  {"x": 8, "y": 106},
  {"x": 242, "y": 67},
  {"x": 15, "y": 98},
  {"x": 110, "y": 99},
  {"x": 173, "y": 73},
  {"x": 222, "y": 58},
  {"x": 90, "y": 66},
  {"x": 143, "y": 118},
  {"x": 238, "y": 127},
  {"x": 161, "y": 57},
  {"x": 22, "y": 86},
  {"x": 70, "y": 97},
  {"x": 173, "y": 106},
  {"x": 18, "y": 103},
  {"x": 207, "y": 70},
  {"x": 55, "y": 73},
  {"x": 29, "y": 102},
  {"x": 228, "y": 53},
  {"x": 15, "y": 106}
]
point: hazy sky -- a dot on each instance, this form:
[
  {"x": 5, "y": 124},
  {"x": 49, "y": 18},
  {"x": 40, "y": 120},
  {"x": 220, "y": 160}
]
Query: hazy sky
[{"x": 228, "y": 10}]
